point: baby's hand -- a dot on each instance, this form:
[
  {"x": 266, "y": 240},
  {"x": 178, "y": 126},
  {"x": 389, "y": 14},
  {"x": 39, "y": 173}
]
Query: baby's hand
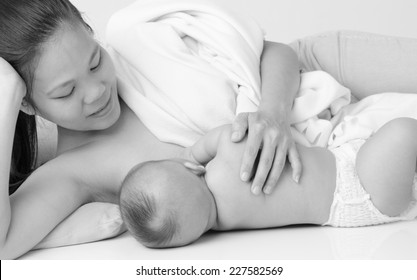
[
  {"x": 195, "y": 168},
  {"x": 187, "y": 154}
]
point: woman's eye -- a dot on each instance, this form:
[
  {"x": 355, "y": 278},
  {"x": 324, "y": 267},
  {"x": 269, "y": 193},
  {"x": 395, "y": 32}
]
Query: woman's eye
[
  {"x": 97, "y": 64},
  {"x": 68, "y": 94}
]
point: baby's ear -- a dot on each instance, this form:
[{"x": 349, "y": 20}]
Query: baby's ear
[{"x": 195, "y": 168}]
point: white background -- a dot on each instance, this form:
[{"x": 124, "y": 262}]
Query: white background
[{"x": 286, "y": 20}]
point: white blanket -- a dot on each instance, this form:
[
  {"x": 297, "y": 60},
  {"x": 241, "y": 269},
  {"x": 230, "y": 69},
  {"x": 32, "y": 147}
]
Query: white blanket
[
  {"x": 187, "y": 66},
  {"x": 360, "y": 120}
]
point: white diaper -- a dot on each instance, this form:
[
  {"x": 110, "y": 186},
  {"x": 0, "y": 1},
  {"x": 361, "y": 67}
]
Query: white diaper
[{"x": 352, "y": 205}]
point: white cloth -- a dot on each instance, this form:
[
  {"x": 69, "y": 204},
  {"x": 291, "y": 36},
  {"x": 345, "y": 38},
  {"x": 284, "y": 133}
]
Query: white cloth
[
  {"x": 187, "y": 66},
  {"x": 360, "y": 120},
  {"x": 320, "y": 97}
]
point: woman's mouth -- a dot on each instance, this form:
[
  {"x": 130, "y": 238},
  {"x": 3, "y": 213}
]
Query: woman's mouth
[{"x": 103, "y": 110}]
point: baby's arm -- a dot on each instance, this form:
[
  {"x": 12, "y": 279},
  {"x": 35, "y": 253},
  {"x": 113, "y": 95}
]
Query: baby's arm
[{"x": 205, "y": 149}]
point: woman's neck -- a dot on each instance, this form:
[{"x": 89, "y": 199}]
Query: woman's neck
[{"x": 70, "y": 139}]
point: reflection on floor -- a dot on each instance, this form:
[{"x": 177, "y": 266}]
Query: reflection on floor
[{"x": 390, "y": 241}]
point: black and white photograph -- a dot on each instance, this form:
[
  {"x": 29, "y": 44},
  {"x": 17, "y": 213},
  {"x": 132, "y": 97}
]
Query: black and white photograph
[{"x": 209, "y": 130}]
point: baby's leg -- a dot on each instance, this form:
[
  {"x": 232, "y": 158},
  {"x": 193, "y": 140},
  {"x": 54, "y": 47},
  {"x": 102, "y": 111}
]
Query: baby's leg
[{"x": 386, "y": 165}]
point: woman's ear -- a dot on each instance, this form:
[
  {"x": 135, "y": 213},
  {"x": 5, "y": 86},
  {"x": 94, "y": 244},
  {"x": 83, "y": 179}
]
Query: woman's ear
[
  {"x": 195, "y": 168},
  {"x": 27, "y": 108}
]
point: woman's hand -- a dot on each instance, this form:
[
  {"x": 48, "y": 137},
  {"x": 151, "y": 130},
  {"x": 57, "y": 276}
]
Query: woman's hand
[
  {"x": 272, "y": 137},
  {"x": 12, "y": 86}
]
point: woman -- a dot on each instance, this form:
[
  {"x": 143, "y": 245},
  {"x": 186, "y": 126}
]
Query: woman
[
  {"x": 52, "y": 66},
  {"x": 70, "y": 81}
]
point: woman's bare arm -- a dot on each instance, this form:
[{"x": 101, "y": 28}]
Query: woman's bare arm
[
  {"x": 45, "y": 199},
  {"x": 269, "y": 127},
  {"x": 12, "y": 90}
]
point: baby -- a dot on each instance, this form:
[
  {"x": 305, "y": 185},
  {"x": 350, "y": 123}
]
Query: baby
[{"x": 173, "y": 202}]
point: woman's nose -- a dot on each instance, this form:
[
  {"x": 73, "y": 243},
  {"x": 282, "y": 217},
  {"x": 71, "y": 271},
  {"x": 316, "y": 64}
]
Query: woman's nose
[{"x": 94, "y": 92}]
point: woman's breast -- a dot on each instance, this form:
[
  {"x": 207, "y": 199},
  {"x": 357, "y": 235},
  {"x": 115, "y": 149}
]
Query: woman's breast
[{"x": 108, "y": 159}]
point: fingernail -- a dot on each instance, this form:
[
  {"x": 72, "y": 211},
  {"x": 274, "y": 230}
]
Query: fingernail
[
  {"x": 267, "y": 190},
  {"x": 201, "y": 168},
  {"x": 245, "y": 176},
  {"x": 297, "y": 178},
  {"x": 256, "y": 190}
]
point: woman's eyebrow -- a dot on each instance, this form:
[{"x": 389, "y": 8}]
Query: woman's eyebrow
[{"x": 93, "y": 54}]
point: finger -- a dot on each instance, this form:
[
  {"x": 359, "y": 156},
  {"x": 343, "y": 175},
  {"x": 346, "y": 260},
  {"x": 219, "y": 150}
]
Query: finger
[
  {"x": 296, "y": 164},
  {"x": 264, "y": 166},
  {"x": 277, "y": 167},
  {"x": 252, "y": 147},
  {"x": 239, "y": 127},
  {"x": 195, "y": 167}
]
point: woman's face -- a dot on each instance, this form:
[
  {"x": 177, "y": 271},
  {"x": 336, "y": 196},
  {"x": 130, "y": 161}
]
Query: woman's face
[{"x": 75, "y": 83}]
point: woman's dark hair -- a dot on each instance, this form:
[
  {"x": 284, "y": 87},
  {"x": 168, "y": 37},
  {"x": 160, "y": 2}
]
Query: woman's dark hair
[{"x": 25, "y": 25}]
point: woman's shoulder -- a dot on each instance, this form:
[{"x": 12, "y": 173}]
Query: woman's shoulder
[
  {"x": 54, "y": 182},
  {"x": 61, "y": 169},
  {"x": 73, "y": 169},
  {"x": 98, "y": 165}
]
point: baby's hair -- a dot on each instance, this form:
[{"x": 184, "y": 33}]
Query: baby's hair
[{"x": 139, "y": 210}]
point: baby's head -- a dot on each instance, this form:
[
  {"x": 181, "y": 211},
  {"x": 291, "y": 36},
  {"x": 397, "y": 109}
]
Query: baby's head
[{"x": 166, "y": 203}]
